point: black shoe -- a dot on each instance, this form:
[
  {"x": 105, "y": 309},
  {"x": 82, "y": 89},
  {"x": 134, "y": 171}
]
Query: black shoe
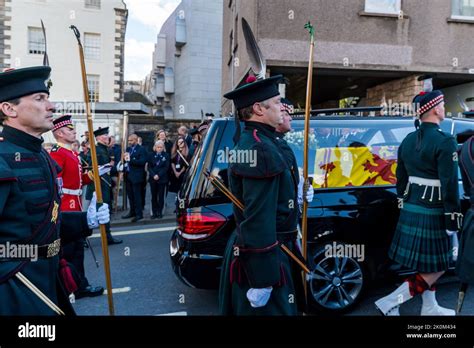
[
  {"x": 112, "y": 241},
  {"x": 89, "y": 291},
  {"x": 159, "y": 216},
  {"x": 153, "y": 217},
  {"x": 137, "y": 218},
  {"x": 128, "y": 216}
]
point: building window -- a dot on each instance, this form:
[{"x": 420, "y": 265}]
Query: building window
[
  {"x": 236, "y": 35},
  {"x": 92, "y": 46},
  {"x": 231, "y": 46},
  {"x": 95, "y": 4},
  {"x": 383, "y": 6},
  {"x": 463, "y": 8},
  {"x": 93, "y": 86},
  {"x": 36, "y": 44}
]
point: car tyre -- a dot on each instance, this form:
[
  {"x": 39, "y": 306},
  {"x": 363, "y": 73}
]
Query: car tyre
[{"x": 337, "y": 283}]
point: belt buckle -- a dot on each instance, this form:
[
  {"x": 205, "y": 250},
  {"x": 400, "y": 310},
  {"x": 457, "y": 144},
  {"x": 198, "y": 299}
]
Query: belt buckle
[{"x": 53, "y": 248}]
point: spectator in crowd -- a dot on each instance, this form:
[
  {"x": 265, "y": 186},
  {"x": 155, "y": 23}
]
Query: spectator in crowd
[
  {"x": 158, "y": 166},
  {"x": 83, "y": 154},
  {"x": 75, "y": 146},
  {"x": 115, "y": 152},
  {"x": 85, "y": 136},
  {"x": 134, "y": 168},
  {"x": 183, "y": 132},
  {"x": 140, "y": 142},
  {"x": 179, "y": 164},
  {"x": 161, "y": 135},
  {"x": 196, "y": 136}
]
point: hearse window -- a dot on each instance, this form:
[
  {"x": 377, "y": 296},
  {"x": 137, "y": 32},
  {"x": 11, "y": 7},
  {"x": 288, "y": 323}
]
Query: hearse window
[{"x": 346, "y": 153}]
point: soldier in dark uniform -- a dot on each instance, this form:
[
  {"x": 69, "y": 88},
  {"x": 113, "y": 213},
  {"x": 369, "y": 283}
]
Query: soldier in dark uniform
[
  {"x": 427, "y": 187},
  {"x": 289, "y": 155},
  {"x": 30, "y": 199},
  {"x": 103, "y": 158},
  {"x": 465, "y": 264},
  {"x": 256, "y": 276}
]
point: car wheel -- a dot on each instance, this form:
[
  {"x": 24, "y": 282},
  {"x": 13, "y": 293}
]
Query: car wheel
[{"x": 336, "y": 283}]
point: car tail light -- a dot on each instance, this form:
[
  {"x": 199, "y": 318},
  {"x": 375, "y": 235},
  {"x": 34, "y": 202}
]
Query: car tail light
[{"x": 195, "y": 226}]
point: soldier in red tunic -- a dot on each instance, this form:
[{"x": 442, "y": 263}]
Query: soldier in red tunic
[{"x": 73, "y": 179}]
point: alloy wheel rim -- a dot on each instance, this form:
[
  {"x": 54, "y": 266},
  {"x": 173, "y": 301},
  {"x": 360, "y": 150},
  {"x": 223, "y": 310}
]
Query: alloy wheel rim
[{"x": 336, "y": 282}]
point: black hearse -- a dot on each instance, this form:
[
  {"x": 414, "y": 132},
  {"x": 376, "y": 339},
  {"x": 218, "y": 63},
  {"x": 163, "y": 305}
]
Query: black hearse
[{"x": 352, "y": 160}]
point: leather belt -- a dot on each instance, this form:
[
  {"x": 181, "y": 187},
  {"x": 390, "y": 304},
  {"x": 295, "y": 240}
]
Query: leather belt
[{"x": 72, "y": 192}]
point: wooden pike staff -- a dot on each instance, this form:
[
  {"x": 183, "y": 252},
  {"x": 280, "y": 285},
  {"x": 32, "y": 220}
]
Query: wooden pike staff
[
  {"x": 124, "y": 146},
  {"x": 95, "y": 169},
  {"x": 309, "y": 89}
]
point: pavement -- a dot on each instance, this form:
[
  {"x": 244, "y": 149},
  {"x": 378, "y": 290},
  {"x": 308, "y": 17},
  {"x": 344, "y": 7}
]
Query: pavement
[
  {"x": 144, "y": 282},
  {"x": 168, "y": 212}
]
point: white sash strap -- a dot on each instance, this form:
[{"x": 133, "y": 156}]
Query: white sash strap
[
  {"x": 72, "y": 192},
  {"x": 424, "y": 182}
]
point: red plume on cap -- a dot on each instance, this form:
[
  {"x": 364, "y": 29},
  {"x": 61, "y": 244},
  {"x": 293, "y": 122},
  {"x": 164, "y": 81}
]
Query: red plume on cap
[
  {"x": 251, "y": 79},
  {"x": 422, "y": 93}
]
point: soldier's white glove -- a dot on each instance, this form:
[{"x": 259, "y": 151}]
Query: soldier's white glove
[
  {"x": 96, "y": 217},
  {"x": 119, "y": 166},
  {"x": 103, "y": 214},
  {"x": 106, "y": 168},
  {"x": 308, "y": 197},
  {"x": 259, "y": 297}
]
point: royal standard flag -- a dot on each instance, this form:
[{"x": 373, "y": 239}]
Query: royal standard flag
[{"x": 355, "y": 166}]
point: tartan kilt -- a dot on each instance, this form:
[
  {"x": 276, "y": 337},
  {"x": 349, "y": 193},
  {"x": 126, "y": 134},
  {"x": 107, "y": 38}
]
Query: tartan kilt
[
  {"x": 465, "y": 264},
  {"x": 420, "y": 241}
]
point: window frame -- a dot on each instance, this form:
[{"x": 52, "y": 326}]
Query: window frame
[
  {"x": 39, "y": 31},
  {"x": 93, "y": 4},
  {"x": 88, "y": 54},
  {"x": 398, "y": 10},
  {"x": 94, "y": 94},
  {"x": 456, "y": 8}
]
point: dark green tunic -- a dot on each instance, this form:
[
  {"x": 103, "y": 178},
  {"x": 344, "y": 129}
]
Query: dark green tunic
[
  {"x": 290, "y": 157},
  {"x": 29, "y": 214},
  {"x": 253, "y": 258},
  {"x": 420, "y": 241}
]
